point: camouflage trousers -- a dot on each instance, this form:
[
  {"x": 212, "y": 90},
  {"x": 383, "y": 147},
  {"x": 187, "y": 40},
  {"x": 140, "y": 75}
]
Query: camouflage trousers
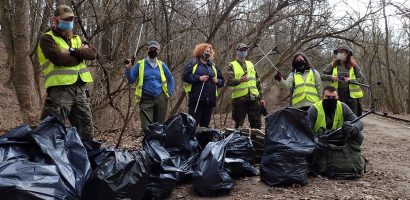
[
  {"x": 243, "y": 106},
  {"x": 70, "y": 104}
]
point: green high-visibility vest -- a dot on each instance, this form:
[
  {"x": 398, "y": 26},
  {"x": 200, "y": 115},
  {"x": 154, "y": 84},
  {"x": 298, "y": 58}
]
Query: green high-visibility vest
[
  {"x": 63, "y": 75},
  {"x": 338, "y": 120},
  {"x": 188, "y": 87},
  {"x": 138, "y": 90},
  {"x": 243, "y": 88},
  {"x": 304, "y": 90},
  {"x": 355, "y": 90}
]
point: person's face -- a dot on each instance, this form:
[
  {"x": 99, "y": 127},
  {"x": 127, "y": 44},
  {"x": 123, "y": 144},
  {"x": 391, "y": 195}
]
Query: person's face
[
  {"x": 152, "y": 49},
  {"x": 299, "y": 58},
  {"x": 330, "y": 95},
  {"x": 342, "y": 51},
  {"x": 208, "y": 50}
]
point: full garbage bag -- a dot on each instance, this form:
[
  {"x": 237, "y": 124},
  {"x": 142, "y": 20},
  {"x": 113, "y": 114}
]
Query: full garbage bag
[
  {"x": 289, "y": 142},
  {"x": 173, "y": 151},
  {"x": 210, "y": 177},
  {"x": 121, "y": 175},
  {"x": 239, "y": 156},
  {"x": 49, "y": 162}
]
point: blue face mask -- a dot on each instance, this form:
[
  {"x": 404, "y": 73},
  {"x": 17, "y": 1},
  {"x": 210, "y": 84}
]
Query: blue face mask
[
  {"x": 65, "y": 25},
  {"x": 242, "y": 54}
]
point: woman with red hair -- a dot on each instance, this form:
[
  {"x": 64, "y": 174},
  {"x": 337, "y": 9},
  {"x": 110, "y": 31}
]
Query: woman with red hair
[
  {"x": 342, "y": 72},
  {"x": 203, "y": 78}
]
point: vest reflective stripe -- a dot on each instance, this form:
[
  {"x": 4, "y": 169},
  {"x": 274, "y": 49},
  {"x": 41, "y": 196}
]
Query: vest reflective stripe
[
  {"x": 305, "y": 90},
  {"x": 354, "y": 90},
  {"x": 138, "y": 90},
  {"x": 244, "y": 88},
  {"x": 338, "y": 119},
  {"x": 63, "y": 75},
  {"x": 188, "y": 87},
  {"x": 67, "y": 72}
]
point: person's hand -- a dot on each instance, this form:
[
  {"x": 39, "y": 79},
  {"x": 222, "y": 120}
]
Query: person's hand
[
  {"x": 85, "y": 46},
  {"x": 66, "y": 51},
  {"x": 278, "y": 77},
  {"x": 347, "y": 127},
  {"x": 215, "y": 80},
  {"x": 262, "y": 102},
  {"x": 243, "y": 79},
  {"x": 346, "y": 79},
  {"x": 129, "y": 65},
  {"x": 335, "y": 78},
  {"x": 203, "y": 78}
]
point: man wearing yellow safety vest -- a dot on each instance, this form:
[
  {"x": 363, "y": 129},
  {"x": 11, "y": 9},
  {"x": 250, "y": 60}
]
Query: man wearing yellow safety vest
[
  {"x": 155, "y": 84},
  {"x": 62, "y": 56},
  {"x": 342, "y": 70},
  {"x": 339, "y": 155},
  {"x": 247, "y": 91},
  {"x": 304, "y": 82}
]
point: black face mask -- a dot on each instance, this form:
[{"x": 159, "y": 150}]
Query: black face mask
[
  {"x": 329, "y": 106},
  {"x": 206, "y": 56},
  {"x": 299, "y": 64},
  {"x": 152, "y": 54}
]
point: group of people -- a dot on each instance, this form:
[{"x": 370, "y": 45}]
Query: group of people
[{"x": 62, "y": 56}]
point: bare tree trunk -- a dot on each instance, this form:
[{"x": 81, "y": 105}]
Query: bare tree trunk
[
  {"x": 7, "y": 29},
  {"x": 395, "y": 107},
  {"x": 408, "y": 77},
  {"x": 23, "y": 72}
]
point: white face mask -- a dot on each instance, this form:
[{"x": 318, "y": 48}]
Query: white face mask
[{"x": 341, "y": 56}]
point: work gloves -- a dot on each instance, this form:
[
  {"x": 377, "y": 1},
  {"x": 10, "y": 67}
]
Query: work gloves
[{"x": 348, "y": 128}]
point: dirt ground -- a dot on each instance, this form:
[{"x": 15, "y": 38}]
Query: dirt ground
[{"x": 387, "y": 148}]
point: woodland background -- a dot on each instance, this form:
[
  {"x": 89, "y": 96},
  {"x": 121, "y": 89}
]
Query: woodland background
[{"x": 381, "y": 47}]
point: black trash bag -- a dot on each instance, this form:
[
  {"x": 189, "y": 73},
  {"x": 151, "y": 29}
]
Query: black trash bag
[
  {"x": 173, "y": 151},
  {"x": 289, "y": 142},
  {"x": 24, "y": 180},
  {"x": 49, "y": 162},
  {"x": 124, "y": 175},
  {"x": 64, "y": 147},
  {"x": 206, "y": 135},
  {"x": 239, "y": 156},
  {"x": 210, "y": 177},
  {"x": 180, "y": 134},
  {"x": 96, "y": 154}
]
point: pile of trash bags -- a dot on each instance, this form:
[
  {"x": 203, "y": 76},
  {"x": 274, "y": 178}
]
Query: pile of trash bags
[
  {"x": 51, "y": 162},
  {"x": 48, "y": 162},
  {"x": 289, "y": 144}
]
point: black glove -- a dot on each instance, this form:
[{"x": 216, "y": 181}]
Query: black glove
[
  {"x": 347, "y": 127},
  {"x": 278, "y": 76}
]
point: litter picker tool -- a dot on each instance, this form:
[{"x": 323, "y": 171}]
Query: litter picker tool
[
  {"x": 138, "y": 44},
  {"x": 199, "y": 97}
]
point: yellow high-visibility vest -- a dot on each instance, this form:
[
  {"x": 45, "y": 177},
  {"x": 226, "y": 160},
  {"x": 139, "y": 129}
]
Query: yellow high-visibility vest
[
  {"x": 304, "y": 90},
  {"x": 338, "y": 120},
  {"x": 355, "y": 90},
  {"x": 63, "y": 75},
  {"x": 138, "y": 90},
  {"x": 188, "y": 86},
  {"x": 243, "y": 88}
]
